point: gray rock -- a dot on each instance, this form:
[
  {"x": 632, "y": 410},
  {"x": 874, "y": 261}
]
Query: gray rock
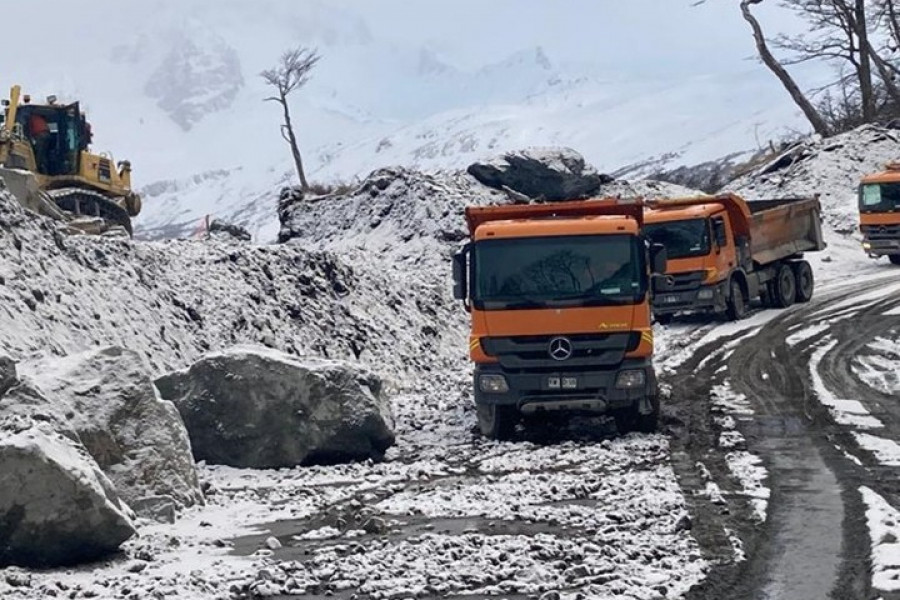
[
  {"x": 550, "y": 174},
  {"x": 106, "y": 399},
  {"x": 221, "y": 230},
  {"x": 8, "y": 375},
  {"x": 259, "y": 408},
  {"x": 56, "y": 505}
]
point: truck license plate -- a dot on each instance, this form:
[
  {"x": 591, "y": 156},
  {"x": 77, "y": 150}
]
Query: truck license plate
[{"x": 671, "y": 299}]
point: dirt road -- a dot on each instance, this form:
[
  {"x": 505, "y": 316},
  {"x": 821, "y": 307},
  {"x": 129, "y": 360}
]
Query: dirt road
[{"x": 796, "y": 374}]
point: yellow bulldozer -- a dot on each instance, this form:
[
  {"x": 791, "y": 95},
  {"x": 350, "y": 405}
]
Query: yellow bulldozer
[{"x": 46, "y": 163}]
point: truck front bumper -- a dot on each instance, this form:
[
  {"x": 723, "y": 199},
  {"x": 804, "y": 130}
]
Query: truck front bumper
[
  {"x": 876, "y": 248},
  {"x": 706, "y": 298},
  {"x": 578, "y": 391}
]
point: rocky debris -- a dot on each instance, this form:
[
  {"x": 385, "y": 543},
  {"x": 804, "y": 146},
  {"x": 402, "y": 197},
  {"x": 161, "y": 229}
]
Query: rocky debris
[
  {"x": 56, "y": 505},
  {"x": 550, "y": 174},
  {"x": 8, "y": 377},
  {"x": 107, "y": 398},
  {"x": 831, "y": 167},
  {"x": 256, "y": 408},
  {"x": 219, "y": 229},
  {"x": 644, "y": 188},
  {"x": 173, "y": 302},
  {"x": 392, "y": 208}
]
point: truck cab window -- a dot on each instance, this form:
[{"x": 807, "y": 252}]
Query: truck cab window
[
  {"x": 682, "y": 239},
  {"x": 720, "y": 232}
]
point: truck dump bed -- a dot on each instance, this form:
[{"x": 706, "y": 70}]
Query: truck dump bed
[{"x": 783, "y": 227}]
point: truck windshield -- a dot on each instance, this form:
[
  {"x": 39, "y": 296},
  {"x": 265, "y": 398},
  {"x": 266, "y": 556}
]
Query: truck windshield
[
  {"x": 682, "y": 239},
  {"x": 564, "y": 271},
  {"x": 879, "y": 197}
]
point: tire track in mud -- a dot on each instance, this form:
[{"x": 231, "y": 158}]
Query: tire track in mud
[{"x": 814, "y": 543}]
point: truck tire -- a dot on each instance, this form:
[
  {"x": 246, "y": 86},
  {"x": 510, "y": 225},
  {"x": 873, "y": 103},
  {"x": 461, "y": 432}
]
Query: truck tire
[
  {"x": 894, "y": 258},
  {"x": 664, "y": 319},
  {"x": 803, "y": 275},
  {"x": 497, "y": 422},
  {"x": 629, "y": 419},
  {"x": 784, "y": 287},
  {"x": 737, "y": 304}
]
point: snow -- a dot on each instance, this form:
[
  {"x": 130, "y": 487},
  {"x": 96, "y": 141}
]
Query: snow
[
  {"x": 884, "y": 530},
  {"x": 886, "y": 452},
  {"x": 878, "y": 368},
  {"x": 845, "y": 412},
  {"x": 728, "y": 408}
]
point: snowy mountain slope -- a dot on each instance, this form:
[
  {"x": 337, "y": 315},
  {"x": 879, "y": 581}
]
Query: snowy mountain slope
[
  {"x": 616, "y": 125},
  {"x": 831, "y": 167}
]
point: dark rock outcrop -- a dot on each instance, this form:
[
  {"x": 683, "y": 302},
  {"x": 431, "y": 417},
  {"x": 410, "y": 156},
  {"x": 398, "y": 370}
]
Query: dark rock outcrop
[
  {"x": 550, "y": 174},
  {"x": 219, "y": 229},
  {"x": 257, "y": 408},
  {"x": 8, "y": 375}
]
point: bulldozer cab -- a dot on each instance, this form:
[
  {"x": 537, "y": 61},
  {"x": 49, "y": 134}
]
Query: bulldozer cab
[{"x": 57, "y": 135}]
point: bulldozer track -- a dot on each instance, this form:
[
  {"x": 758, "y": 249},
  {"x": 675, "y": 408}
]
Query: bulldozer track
[{"x": 78, "y": 201}]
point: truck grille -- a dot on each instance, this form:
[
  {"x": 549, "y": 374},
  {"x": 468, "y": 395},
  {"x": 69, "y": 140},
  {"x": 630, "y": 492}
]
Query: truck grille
[
  {"x": 679, "y": 282},
  {"x": 877, "y": 233},
  {"x": 588, "y": 350}
]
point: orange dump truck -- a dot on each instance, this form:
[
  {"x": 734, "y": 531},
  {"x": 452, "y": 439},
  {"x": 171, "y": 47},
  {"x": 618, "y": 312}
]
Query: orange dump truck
[
  {"x": 879, "y": 213},
  {"x": 724, "y": 252},
  {"x": 559, "y": 300}
]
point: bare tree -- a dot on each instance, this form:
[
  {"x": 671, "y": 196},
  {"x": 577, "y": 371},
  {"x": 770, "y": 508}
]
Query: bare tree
[
  {"x": 780, "y": 72},
  {"x": 291, "y": 73}
]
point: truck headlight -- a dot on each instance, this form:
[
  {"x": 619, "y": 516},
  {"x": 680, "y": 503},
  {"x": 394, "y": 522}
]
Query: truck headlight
[
  {"x": 630, "y": 379},
  {"x": 867, "y": 246},
  {"x": 493, "y": 384},
  {"x": 705, "y": 294}
]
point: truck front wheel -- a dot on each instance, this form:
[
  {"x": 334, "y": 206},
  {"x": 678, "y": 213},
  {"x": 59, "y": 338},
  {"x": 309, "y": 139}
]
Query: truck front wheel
[
  {"x": 803, "y": 275},
  {"x": 629, "y": 419},
  {"x": 894, "y": 258},
  {"x": 737, "y": 305},
  {"x": 497, "y": 422},
  {"x": 784, "y": 287}
]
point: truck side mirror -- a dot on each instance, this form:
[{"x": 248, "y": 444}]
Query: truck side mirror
[
  {"x": 720, "y": 233},
  {"x": 461, "y": 275},
  {"x": 658, "y": 259}
]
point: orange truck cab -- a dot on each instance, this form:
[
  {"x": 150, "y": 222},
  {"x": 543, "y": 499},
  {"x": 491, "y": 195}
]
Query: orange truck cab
[
  {"x": 879, "y": 213},
  {"x": 724, "y": 252},
  {"x": 559, "y": 301}
]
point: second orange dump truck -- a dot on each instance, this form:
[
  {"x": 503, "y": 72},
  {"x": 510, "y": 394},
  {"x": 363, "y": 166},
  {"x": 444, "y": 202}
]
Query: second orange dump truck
[
  {"x": 724, "y": 252},
  {"x": 559, "y": 296},
  {"x": 879, "y": 213}
]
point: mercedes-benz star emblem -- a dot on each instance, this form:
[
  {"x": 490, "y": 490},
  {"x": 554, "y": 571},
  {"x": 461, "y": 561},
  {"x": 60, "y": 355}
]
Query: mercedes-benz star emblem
[{"x": 560, "y": 348}]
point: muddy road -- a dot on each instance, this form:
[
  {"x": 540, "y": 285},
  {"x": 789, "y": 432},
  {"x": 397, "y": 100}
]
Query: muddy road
[{"x": 803, "y": 406}]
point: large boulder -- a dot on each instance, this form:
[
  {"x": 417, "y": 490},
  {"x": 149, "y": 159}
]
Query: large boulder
[
  {"x": 8, "y": 375},
  {"x": 56, "y": 505},
  {"x": 107, "y": 398},
  {"x": 549, "y": 174},
  {"x": 259, "y": 408}
]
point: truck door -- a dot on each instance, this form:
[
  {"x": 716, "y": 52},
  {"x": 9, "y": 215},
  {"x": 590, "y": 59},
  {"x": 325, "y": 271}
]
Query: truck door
[{"x": 723, "y": 243}]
